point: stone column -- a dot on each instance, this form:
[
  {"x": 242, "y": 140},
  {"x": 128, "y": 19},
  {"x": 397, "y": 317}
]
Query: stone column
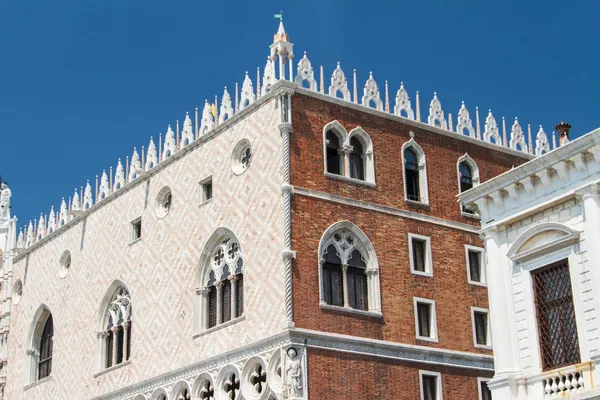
[
  {"x": 126, "y": 334},
  {"x": 346, "y": 150},
  {"x": 219, "y": 303},
  {"x": 345, "y": 285},
  {"x": 591, "y": 207},
  {"x": 114, "y": 345},
  {"x": 233, "y": 279},
  {"x": 204, "y": 292}
]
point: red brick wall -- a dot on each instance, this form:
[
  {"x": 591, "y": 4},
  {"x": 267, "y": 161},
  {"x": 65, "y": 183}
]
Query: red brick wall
[
  {"x": 334, "y": 375},
  {"x": 309, "y": 117},
  {"x": 311, "y": 217}
]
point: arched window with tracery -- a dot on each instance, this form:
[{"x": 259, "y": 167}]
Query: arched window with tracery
[
  {"x": 116, "y": 329},
  {"x": 468, "y": 177},
  {"x": 223, "y": 282},
  {"x": 40, "y": 345},
  {"x": 349, "y": 272}
]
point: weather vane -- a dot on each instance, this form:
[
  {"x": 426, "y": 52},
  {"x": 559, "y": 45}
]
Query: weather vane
[{"x": 280, "y": 15}]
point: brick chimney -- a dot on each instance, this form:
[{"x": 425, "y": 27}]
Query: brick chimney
[{"x": 563, "y": 131}]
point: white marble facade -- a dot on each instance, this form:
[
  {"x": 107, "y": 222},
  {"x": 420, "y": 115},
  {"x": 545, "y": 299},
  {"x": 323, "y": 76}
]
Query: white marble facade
[
  {"x": 159, "y": 271},
  {"x": 543, "y": 212}
]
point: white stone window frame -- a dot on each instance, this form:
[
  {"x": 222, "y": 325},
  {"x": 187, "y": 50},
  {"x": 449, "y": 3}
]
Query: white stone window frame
[
  {"x": 372, "y": 271},
  {"x": 438, "y": 381},
  {"x": 34, "y": 338},
  {"x": 106, "y": 302},
  {"x": 132, "y": 238},
  {"x": 482, "y": 264},
  {"x": 480, "y": 381},
  {"x": 428, "y": 255},
  {"x": 488, "y": 334},
  {"x": 202, "y": 190},
  {"x": 205, "y": 266},
  {"x": 432, "y": 323},
  {"x": 476, "y": 181},
  {"x": 344, "y": 138},
  {"x": 423, "y": 184},
  {"x": 532, "y": 259}
]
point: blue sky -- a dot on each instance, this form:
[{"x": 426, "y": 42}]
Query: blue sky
[{"x": 82, "y": 82}]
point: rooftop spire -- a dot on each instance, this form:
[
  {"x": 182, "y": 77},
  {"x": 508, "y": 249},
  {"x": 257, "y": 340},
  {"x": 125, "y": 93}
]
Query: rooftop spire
[{"x": 281, "y": 35}]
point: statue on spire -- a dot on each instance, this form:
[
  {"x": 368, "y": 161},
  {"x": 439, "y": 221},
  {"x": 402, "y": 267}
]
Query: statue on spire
[{"x": 5, "y": 195}]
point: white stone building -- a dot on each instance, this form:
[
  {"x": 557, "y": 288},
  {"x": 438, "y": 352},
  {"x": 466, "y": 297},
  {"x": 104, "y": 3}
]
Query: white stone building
[{"x": 541, "y": 223}]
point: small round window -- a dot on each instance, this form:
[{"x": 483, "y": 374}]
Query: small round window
[
  {"x": 241, "y": 157},
  {"x": 17, "y": 292},
  {"x": 164, "y": 201},
  {"x": 65, "y": 264}
]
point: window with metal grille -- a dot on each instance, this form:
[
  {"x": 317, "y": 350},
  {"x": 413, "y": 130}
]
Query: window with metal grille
[
  {"x": 212, "y": 306},
  {"x": 481, "y": 327},
  {"x": 226, "y": 300},
  {"x": 411, "y": 174},
  {"x": 557, "y": 328},
  {"x": 45, "y": 363},
  {"x": 240, "y": 295},
  {"x": 429, "y": 387},
  {"x": 424, "y": 319},
  {"x": 475, "y": 274},
  {"x": 357, "y": 288},
  {"x": 486, "y": 393}
]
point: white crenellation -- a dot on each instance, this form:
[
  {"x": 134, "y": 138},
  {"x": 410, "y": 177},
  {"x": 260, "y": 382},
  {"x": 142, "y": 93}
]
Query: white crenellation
[
  {"x": 51, "y": 220},
  {"x": 305, "y": 73},
  {"x": 41, "y": 231},
  {"x": 76, "y": 204},
  {"x": 403, "y": 103},
  {"x": 541, "y": 143},
  {"x": 30, "y": 239},
  {"x": 207, "y": 123},
  {"x": 226, "y": 111},
  {"x": 63, "y": 216},
  {"x": 170, "y": 146},
  {"x": 491, "y": 130},
  {"x": 269, "y": 80},
  {"x": 135, "y": 165},
  {"x": 464, "y": 122},
  {"x": 436, "y": 114},
  {"x": 20, "y": 240},
  {"x": 88, "y": 200},
  {"x": 151, "y": 156},
  {"x": 104, "y": 186},
  {"x": 247, "y": 95},
  {"x": 187, "y": 133},
  {"x": 339, "y": 83},
  {"x": 371, "y": 93},
  {"x": 517, "y": 137},
  {"x": 119, "y": 177}
]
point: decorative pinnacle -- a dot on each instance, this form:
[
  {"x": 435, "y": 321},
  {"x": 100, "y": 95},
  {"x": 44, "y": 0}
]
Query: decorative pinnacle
[{"x": 338, "y": 63}]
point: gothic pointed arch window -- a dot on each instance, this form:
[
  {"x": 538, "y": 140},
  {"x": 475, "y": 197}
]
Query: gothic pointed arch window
[
  {"x": 357, "y": 162},
  {"x": 333, "y": 153},
  {"x": 41, "y": 343},
  {"x": 414, "y": 172},
  {"x": 115, "y": 330},
  {"x": 349, "y": 272},
  {"x": 468, "y": 177},
  {"x": 222, "y": 280}
]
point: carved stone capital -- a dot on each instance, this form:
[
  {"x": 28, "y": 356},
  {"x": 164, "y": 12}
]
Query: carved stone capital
[
  {"x": 285, "y": 127},
  {"x": 232, "y": 278},
  {"x": 371, "y": 271},
  {"x": 202, "y": 291},
  {"x": 30, "y": 352},
  {"x": 101, "y": 335},
  {"x": 347, "y": 149},
  {"x": 287, "y": 188},
  {"x": 288, "y": 254}
]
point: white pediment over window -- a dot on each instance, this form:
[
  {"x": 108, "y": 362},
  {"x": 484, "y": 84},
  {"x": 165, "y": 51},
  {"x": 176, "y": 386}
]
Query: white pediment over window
[{"x": 541, "y": 239}]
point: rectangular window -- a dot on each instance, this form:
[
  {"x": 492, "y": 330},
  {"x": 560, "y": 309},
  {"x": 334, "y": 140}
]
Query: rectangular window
[
  {"x": 136, "y": 230},
  {"x": 431, "y": 385},
  {"x": 425, "y": 319},
  {"x": 206, "y": 190},
  {"x": 419, "y": 248},
  {"x": 412, "y": 185},
  {"x": 484, "y": 391},
  {"x": 557, "y": 328},
  {"x": 481, "y": 331},
  {"x": 475, "y": 265},
  {"x": 357, "y": 288},
  {"x": 226, "y": 300},
  {"x": 332, "y": 285}
]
